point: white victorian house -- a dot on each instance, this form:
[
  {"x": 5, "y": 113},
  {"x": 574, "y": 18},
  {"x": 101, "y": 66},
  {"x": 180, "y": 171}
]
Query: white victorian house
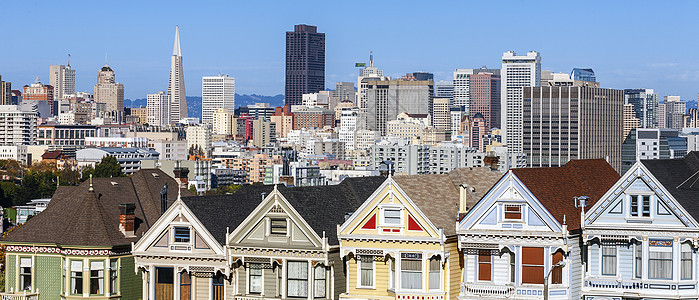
[
  {"x": 526, "y": 229},
  {"x": 640, "y": 239}
]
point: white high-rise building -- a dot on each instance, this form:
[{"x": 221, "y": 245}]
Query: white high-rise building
[
  {"x": 108, "y": 91},
  {"x": 175, "y": 89},
  {"x": 17, "y": 126},
  {"x": 62, "y": 78},
  {"x": 216, "y": 92},
  {"x": 517, "y": 71},
  {"x": 365, "y": 75},
  {"x": 158, "y": 109},
  {"x": 348, "y": 127}
]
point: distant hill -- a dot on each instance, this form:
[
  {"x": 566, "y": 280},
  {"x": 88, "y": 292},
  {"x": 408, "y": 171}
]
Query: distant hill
[{"x": 194, "y": 102}]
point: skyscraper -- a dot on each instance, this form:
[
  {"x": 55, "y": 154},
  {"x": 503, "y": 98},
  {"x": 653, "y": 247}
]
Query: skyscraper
[
  {"x": 305, "y": 63},
  {"x": 583, "y": 74},
  {"x": 5, "y": 92},
  {"x": 675, "y": 110},
  {"x": 561, "y": 123},
  {"x": 158, "y": 106},
  {"x": 40, "y": 92},
  {"x": 645, "y": 106},
  {"x": 461, "y": 84},
  {"x": 484, "y": 98},
  {"x": 62, "y": 78},
  {"x": 517, "y": 71},
  {"x": 175, "y": 88},
  {"x": 344, "y": 91},
  {"x": 216, "y": 92},
  {"x": 388, "y": 98},
  {"x": 441, "y": 114},
  {"x": 108, "y": 91}
]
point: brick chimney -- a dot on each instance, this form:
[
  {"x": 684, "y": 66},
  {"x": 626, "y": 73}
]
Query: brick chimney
[
  {"x": 491, "y": 160},
  {"x": 127, "y": 219},
  {"x": 182, "y": 176}
]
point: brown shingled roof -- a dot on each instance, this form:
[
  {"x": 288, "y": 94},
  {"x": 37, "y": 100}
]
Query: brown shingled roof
[
  {"x": 555, "y": 187},
  {"x": 437, "y": 195},
  {"x": 79, "y": 217},
  {"x": 51, "y": 154}
]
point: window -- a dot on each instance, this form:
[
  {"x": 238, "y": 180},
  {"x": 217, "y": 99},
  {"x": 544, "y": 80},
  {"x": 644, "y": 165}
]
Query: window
[
  {"x": 484, "y": 263},
  {"x": 435, "y": 273},
  {"x": 640, "y": 205},
  {"x": 513, "y": 212},
  {"x": 217, "y": 287},
  {"x": 185, "y": 286},
  {"x": 411, "y": 271},
  {"x": 646, "y": 205},
  {"x": 513, "y": 267},
  {"x": 609, "y": 260},
  {"x": 634, "y": 206},
  {"x": 278, "y": 227},
  {"x": 638, "y": 261},
  {"x": 686, "y": 262},
  {"x": 97, "y": 277},
  {"x": 533, "y": 265},
  {"x": 660, "y": 259},
  {"x": 557, "y": 273},
  {"x": 366, "y": 271},
  {"x": 319, "y": 282},
  {"x": 182, "y": 235},
  {"x": 164, "y": 281},
  {"x": 391, "y": 216},
  {"x": 25, "y": 273},
  {"x": 297, "y": 279},
  {"x": 76, "y": 276},
  {"x": 392, "y": 274},
  {"x": 255, "y": 284}
]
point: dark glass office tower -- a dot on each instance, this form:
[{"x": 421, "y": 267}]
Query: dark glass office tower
[{"x": 305, "y": 63}]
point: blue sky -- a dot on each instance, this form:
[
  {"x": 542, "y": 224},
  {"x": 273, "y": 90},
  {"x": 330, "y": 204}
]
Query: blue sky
[{"x": 639, "y": 44}]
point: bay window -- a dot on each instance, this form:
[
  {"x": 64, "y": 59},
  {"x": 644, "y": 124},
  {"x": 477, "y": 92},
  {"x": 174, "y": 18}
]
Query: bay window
[
  {"x": 609, "y": 260},
  {"x": 25, "y": 273},
  {"x": 411, "y": 271},
  {"x": 113, "y": 275},
  {"x": 532, "y": 265},
  {"x": 435, "y": 278},
  {"x": 366, "y": 271},
  {"x": 97, "y": 277},
  {"x": 319, "y": 282},
  {"x": 660, "y": 259},
  {"x": 297, "y": 279},
  {"x": 255, "y": 277},
  {"x": 686, "y": 262},
  {"x": 76, "y": 277},
  {"x": 638, "y": 261},
  {"x": 484, "y": 265}
]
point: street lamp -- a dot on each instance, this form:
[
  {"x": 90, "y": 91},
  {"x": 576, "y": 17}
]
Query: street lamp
[{"x": 559, "y": 264}]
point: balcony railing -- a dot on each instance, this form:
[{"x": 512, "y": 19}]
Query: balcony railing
[
  {"x": 426, "y": 296},
  {"x": 19, "y": 296},
  {"x": 613, "y": 284},
  {"x": 487, "y": 290},
  {"x": 254, "y": 298}
]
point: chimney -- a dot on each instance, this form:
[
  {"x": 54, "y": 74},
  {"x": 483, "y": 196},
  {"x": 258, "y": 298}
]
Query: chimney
[
  {"x": 491, "y": 160},
  {"x": 126, "y": 219},
  {"x": 181, "y": 176},
  {"x": 463, "y": 206}
]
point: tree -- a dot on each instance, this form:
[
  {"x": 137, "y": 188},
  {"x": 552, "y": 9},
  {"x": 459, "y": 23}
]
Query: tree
[
  {"x": 11, "y": 168},
  {"x": 196, "y": 150},
  {"x": 8, "y": 192},
  {"x": 108, "y": 167},
  {"x": 68, "y": 175},
  {"x": 86, "y": 172}
]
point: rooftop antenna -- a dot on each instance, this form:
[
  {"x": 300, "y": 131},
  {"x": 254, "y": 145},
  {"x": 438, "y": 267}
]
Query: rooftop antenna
[
  {"x": 69, "y": 60},
  {"x": 37, "y": 79},
  {"x": 91, "y": 189},
  {"x": 371, "y": 58}
]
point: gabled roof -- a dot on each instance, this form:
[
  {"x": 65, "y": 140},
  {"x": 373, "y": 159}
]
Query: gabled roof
[
  {"x": 322, "y": 207},
  {"x": 77, "y": 216},
  {"x": 51, "y": 154},
  {"x": 555, "y": 187},
  {"x": 680, "y": 177},
  {"x": 437, "y": 195}
]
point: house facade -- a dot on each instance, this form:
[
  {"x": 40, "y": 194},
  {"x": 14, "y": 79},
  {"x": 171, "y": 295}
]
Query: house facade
[
  {"x": 523, "y": 232},
  {"x": 640, "y": 240}
]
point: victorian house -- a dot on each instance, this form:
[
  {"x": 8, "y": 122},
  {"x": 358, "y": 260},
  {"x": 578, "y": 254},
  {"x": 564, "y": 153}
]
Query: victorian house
[
  {"x": 526, "y": 230},
  {"x": 641, "y": 238},
  {"x": 262, "y": 242},
  {"x": 80, "y": 246},
  {"x": 401, "y": 243}
]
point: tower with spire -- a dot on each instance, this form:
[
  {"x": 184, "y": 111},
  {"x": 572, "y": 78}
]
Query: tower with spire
[{"x": 178, "y": 97}]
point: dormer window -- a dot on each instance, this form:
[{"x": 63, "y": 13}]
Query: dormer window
[
  {"x": 182, "y": 235},
  {"x": 513, "y": 212},
  {"x": 640, "y": 205},
  {"x": 278, "y": 227}
]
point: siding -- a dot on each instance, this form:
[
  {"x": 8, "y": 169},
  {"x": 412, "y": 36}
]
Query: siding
[
  {"x": 576, "y": 267},
  {"x": 48, "y": 277},
  {"x": 202, "y": 288},
  {"x": 131, "y": 282},
  {"x": 501, "y": 265},
  {"x": 455, "y": 269},
  {"x": 594, "y": 260},
  {"x": 10, "y": 272},
  {"x": 242, "y": 283},
  {"x": 380, "y": 283},
  {"x": 270, "y": 284},
  {"x": 625, "y": 257},
  {"x": 470, "y": 267},
  {"x": 340, "y": 283}
]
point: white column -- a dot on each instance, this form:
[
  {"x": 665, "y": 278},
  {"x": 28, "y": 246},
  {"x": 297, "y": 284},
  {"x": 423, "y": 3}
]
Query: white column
[
  {"x": 284, "y": 273},
  {"x": 145, "y": 275},
  {"x": 677, "y": 263},
  {"x": 311, "y": 278},
  {"x": 176, "y": 283},
  {"x": 151, "y": 286},
  {"x": 644, "y": 260}
]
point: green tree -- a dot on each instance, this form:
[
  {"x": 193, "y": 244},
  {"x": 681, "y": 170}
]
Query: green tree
[
  {"x": 196, "y": 150},
  {"x": 86, "y": 172},
  {"x": 68, "y": 175},
  {"x": 8, "y": 192},
  {"x": 108, "y": 167}
]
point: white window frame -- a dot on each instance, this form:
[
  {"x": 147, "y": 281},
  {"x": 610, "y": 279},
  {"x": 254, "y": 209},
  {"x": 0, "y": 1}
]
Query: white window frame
[
  {"x": 691, "y": 261},
  {"x": 521, "y": 212},
  {"x": 31, "y": 273},
  {"x": 639, "y": 204},
  {"x": 262, "y": 280},
  {"x": 440, "y": 271},
  {"x": 601, "y": 260},
  {"x": 359, "y": 275},
  {"x": 399, "y": 282}
]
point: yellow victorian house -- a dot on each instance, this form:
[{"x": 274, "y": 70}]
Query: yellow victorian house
[{"x": 402, "y": 243}]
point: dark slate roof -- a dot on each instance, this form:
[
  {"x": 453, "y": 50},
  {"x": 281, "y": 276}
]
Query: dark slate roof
[
  {"x": 437, "y": 195},
  {"x": 322, "y": 207},
  {"x": 79, "y": 217},
  {"x": 555, "y": 187},
  {"x": 680, "y": 177}
]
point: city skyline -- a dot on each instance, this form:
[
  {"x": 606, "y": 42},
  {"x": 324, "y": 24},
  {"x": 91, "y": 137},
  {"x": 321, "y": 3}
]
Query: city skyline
[{"x": 253, "y": 52}]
